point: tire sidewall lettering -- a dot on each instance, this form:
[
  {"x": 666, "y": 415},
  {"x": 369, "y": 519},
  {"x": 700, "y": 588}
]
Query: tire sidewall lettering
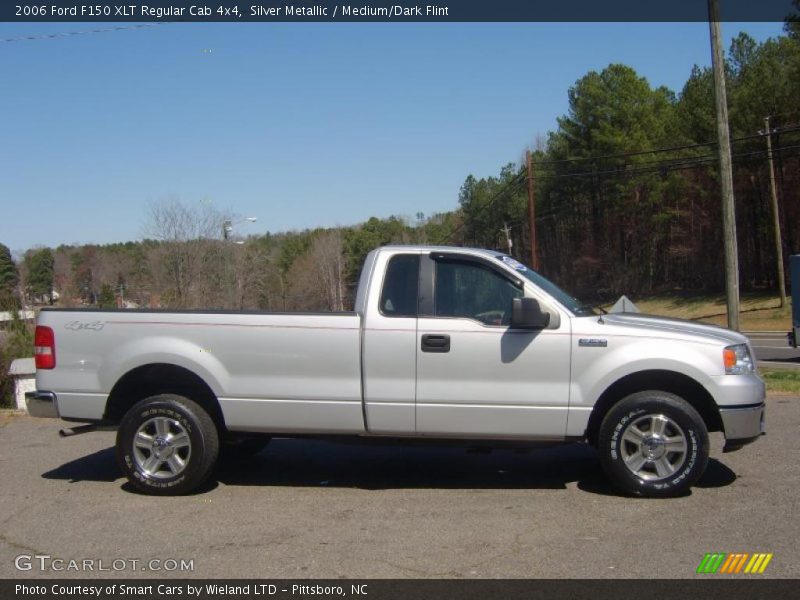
[
  {"x": 186, "y": 422},
  {"x": 618, "y": 429},
  {"x": 696, "y": 440}
]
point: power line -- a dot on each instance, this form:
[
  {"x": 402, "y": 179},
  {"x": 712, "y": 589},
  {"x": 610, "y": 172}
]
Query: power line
[
  {"x": 515, "y": 183},
  {"x": 66, "y": 34},
  {"x": 624, "y": 155},
  {"x": 743, "y": 157},
  {"x": 748, "y": 157},
  {"x": 786, "y": 129},
  {"x": 674, "y": 165},
  {"x": 504, "y": 193},
  {"x": 659, "y": 165},
  {"x": 741, "y": 139}
]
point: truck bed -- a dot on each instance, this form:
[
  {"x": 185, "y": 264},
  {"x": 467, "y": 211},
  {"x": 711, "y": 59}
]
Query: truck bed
[{"x": 256, "y": 363}]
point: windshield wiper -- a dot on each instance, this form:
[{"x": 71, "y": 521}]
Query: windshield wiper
[{"x": 591, "y": 308}]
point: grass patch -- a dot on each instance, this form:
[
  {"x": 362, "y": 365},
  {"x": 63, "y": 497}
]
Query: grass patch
[
  {"x": 781, "y": 381},
  {"x": 758, "y": 311}
]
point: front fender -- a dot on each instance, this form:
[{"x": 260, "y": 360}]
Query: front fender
[{"x": 595, "y": 369}]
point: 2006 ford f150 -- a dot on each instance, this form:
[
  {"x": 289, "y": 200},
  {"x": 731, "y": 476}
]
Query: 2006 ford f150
[{"x": 444, "y": 343}]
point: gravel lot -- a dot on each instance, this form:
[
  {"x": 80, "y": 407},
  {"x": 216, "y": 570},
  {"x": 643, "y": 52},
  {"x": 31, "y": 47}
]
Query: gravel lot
[{"x": 313, "y": 509}]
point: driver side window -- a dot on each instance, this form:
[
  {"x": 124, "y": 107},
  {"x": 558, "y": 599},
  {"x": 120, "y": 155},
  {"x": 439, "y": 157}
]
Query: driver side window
[{"x": 473, "y": 291}]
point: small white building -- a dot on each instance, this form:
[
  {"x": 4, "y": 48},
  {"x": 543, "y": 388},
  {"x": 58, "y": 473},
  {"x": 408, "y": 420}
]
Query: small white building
[
  {"x": 25, "y": 315},
  {"x": 23, "y": 371}
]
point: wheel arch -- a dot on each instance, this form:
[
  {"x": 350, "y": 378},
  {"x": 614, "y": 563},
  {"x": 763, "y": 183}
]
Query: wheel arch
[
  {"x": 161, "y": 378},
  {"x": 654, "y": 379}
]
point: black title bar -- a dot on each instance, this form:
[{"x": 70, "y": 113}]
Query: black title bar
[
  {"x": 386, "y": 589},
  {"x": 395, "y": 11}
]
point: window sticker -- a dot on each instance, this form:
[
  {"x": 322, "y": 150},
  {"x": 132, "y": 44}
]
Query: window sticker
[{"x": 514, "y": 264}]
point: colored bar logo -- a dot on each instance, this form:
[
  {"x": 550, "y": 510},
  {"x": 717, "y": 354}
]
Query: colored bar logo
[{"x": 742, "y": 562}]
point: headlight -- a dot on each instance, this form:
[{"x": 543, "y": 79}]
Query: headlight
[{"x": 737, "y": 360}]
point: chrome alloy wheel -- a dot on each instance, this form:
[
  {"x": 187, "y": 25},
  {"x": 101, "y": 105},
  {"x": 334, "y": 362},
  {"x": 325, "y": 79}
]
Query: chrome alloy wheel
[
  {"x": 653, "y": 447},
  {"x": 161, "y": 448}
]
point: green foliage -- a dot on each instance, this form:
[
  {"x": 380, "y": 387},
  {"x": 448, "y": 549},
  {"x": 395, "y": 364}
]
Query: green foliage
[
  {"x": 372, "y": 234},
  {"x": 488, "y": 205},
  {"x": 781, "y": 381},
  {"x": 792, "y": 22},
  {"x": 106, "y": 298},
  {"x": 440, "y": 229},
  {"x": 9, "y": 277},
  {"x": 765, "y": 82},
  {"x": 695, "y": 105},
  {"x": 19, "y": 334},
  {"x": 293, "y": 246},
  {"x": 39, "y": 266},
  {"x": 613, "y": 112},
  {"x": 82, "y": 278},
  {"x": 18, "y": 344}
]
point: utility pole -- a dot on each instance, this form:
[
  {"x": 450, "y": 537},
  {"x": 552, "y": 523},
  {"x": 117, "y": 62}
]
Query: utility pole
[
  {"x": 775, "y": 214},
  {"x": 228, "y": 224},
  {"x": 507, "y": 231},
  {"x": 532, "y": 213},
  {"x": 725, "y": 169}
]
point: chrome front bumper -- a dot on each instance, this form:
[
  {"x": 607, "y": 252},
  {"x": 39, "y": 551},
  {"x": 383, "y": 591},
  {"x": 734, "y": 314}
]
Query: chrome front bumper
[
  {"x": 742, "y": 425},
  {"x": 42, "y": 404}
]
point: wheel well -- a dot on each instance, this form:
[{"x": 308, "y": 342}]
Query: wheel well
[
  {"x": 160, "y": 378},
  {"x": 666, "y": 381}
]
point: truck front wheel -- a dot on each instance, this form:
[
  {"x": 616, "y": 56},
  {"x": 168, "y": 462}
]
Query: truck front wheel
[
  {"x": 653, "y": 444},
  {"x": 167, "y": 445}
]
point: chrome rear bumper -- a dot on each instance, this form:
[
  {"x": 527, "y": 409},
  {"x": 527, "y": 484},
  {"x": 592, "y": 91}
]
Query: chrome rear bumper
[{"x": 42, "y": 404}]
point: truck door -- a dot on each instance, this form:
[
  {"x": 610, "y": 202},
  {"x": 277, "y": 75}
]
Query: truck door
[
  {"x": 475, "y": 375},
  {"x": 389, "y": 356}
]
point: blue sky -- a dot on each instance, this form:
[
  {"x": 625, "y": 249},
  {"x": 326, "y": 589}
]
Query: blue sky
[{"x": 301, "y": 125}]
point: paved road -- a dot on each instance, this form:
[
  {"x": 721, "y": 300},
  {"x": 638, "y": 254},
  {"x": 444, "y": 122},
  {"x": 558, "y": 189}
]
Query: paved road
[
  {"x": 313, "y": 509},
  {"x": 772, "y": 346}
]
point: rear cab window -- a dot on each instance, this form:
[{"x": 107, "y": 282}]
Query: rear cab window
[{"x": 400, "y": 293}]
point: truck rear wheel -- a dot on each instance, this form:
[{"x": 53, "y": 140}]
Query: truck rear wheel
[
  {"x": 167, "y": 445},
  {"x": 653, "y": 444}
]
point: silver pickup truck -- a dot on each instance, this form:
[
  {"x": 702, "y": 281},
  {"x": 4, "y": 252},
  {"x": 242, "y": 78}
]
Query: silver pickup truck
[{"x": 444, "y": 344}]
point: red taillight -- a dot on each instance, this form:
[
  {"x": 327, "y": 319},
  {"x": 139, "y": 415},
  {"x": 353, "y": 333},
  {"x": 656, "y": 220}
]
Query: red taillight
[{"x": 44, "y": 342}]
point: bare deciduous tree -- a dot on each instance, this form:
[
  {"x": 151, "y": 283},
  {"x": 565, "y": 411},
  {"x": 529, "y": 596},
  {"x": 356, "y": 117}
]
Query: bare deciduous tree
[
  {"x": 192, "y": 259},
  {"x": 316, "y": 280},
  {"x": 327, "y": 252}
]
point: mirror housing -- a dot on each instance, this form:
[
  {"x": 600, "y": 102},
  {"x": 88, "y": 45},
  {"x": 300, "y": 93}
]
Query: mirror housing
[{"x": 526, "y": 313}]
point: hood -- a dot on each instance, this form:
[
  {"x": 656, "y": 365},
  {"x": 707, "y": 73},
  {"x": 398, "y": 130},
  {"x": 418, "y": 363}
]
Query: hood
[{"x": 677, "y": 326}]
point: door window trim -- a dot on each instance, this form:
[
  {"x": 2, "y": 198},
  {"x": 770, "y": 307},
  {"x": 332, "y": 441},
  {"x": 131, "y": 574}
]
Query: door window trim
[{"x": 427, "y": 287}]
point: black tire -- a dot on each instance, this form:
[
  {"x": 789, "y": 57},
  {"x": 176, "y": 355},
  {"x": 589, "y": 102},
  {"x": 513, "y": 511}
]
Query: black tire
[
  {"x": 672, "y": 444},
  {"x": 243, "y": 448},
  {"x": 183, "y": 445}
]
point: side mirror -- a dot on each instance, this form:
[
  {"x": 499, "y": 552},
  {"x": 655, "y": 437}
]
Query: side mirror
[{"x": 526, "y": 313}]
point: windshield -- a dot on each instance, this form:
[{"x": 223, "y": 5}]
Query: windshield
[{"x": 571, "y": 303}]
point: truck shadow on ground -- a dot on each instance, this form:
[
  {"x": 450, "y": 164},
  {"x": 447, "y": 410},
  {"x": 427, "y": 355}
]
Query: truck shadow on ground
[{"x": 307, "y": 463}]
